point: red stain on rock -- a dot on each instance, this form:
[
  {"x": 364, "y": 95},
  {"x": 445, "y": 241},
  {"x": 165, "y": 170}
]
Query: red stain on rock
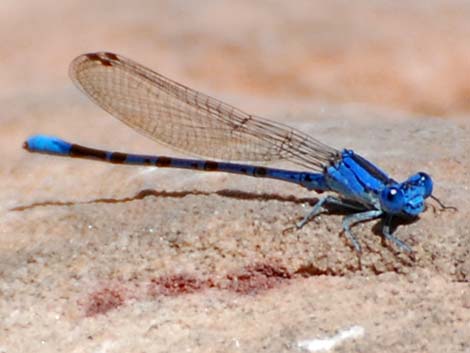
[
  {"x": 251, "y": 279},
  {"x": 175, "y": 285},
  {"x": 256, "y": 278},
  {"x": 102, "y": 301}
]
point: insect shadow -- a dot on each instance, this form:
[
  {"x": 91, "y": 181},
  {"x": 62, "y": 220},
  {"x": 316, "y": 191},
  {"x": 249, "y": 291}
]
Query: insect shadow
[{"x": 232, "y": 194}]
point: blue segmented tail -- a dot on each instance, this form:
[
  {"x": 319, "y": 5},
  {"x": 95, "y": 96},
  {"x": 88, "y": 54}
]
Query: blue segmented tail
[{"x": 55, "y": 146}]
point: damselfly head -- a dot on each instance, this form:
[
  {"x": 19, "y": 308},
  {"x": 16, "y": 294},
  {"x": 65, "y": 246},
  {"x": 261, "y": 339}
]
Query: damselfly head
[{"x": 407, "y": 198}]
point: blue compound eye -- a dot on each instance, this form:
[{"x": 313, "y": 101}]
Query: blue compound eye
[
  {"x": 426, "y": 181},
  {"x": 392, "y": 199}
]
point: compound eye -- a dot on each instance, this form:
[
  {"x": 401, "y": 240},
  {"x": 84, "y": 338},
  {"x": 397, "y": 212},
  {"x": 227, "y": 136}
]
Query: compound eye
[
  {"x": 392, "y": 199},
  {"x": 426, "y": 181}
]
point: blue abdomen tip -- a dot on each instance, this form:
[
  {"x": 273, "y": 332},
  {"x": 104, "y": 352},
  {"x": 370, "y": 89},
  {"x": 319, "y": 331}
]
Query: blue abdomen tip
[{"x": 47, "y": 144}]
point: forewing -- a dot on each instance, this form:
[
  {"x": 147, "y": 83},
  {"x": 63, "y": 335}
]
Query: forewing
[{"x": 185, "y": 119}]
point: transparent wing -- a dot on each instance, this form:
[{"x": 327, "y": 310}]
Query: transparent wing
[{"x": 190, "y": 121}]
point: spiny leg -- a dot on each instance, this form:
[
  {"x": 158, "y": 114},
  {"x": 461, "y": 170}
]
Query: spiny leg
[
  {"x": 318, "y": 208},
  {"x": 388, "y": 235},
  {"x": 355, "y": 218}
]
